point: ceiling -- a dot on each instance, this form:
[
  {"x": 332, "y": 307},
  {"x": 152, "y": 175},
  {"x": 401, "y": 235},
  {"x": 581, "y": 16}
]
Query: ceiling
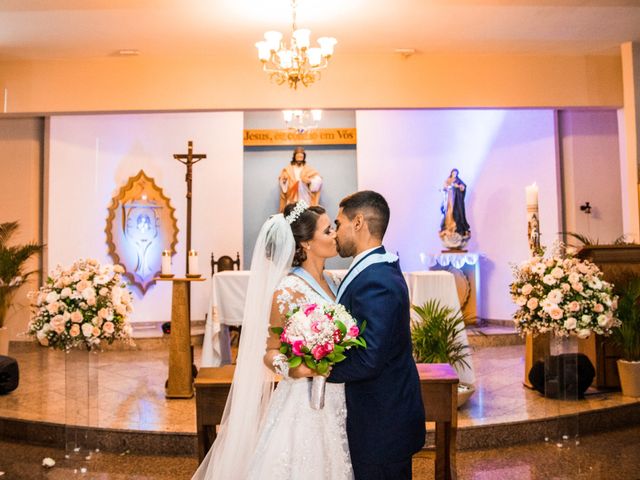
[{"x": 34, "y": 29}]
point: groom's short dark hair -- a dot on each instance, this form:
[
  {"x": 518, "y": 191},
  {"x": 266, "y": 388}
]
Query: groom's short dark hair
[{"x": 374, "y": 208}]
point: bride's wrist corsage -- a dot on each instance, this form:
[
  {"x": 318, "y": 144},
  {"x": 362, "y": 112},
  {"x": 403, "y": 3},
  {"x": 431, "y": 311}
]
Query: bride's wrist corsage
[{"x": 281, "y": 365}]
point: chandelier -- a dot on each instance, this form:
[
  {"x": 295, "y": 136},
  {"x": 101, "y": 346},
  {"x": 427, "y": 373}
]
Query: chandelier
[
  {"x": 301, "y": 120},
  {"x": 295, "y": 62}
]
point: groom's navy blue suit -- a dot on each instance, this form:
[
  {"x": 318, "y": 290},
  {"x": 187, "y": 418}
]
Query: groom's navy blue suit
[{"x": 385, "y": 414}]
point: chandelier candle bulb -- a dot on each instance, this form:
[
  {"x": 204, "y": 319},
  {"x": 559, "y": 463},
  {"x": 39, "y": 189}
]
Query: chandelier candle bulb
[
  {"x": 193, "y": 263},
  {"x": 165, "y": 268}
]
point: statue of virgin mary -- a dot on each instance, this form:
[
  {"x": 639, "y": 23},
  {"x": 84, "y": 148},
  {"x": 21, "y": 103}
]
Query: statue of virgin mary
[{"x": 454, "y": 229}]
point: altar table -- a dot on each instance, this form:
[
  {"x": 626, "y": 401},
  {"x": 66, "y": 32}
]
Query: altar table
[
  {"x": 438, "y": 383},
  {"x": 228, "y": 293}
]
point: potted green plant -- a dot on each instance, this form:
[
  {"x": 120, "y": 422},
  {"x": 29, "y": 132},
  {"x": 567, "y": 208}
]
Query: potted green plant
[
  {"x": 627, "y": 338},
  {"x": 434, "y": 335},
  {"x": 13, "y": 259}
]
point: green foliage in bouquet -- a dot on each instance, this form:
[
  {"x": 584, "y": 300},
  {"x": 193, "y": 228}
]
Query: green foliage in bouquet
[
  {"x": 434, "y": 335},
  {"x": 12, "y": 265}
]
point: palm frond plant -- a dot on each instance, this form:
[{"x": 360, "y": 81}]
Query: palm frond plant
[
  {"x": 584, "y": 239},
  {"x": 434, "y": 334},
  {"x": 627, "y": 337},
  {"x": 12, "y": 265}
]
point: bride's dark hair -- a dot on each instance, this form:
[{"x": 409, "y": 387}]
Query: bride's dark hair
[{"x": 303, "y": 229}]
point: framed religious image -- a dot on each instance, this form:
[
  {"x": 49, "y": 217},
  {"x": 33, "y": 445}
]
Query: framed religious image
[{"x": 140, "y": 225}]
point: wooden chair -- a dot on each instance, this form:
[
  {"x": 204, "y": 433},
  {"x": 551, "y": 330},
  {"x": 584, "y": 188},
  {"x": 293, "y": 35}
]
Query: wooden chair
[{"x": 225, "y": 262}]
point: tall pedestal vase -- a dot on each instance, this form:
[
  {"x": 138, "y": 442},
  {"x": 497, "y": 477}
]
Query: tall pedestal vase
[
  {"x": 81, "y": 408},
  {"x": 561, "y": 384}
]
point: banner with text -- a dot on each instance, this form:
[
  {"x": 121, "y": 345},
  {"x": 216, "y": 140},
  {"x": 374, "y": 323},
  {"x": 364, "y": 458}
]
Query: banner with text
[{"x": 317, "y": 136}]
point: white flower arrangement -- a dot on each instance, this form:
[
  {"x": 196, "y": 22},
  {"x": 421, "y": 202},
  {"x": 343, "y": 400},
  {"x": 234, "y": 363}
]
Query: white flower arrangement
[
  {"x": 82, "y": 306},
  {"x": 563, "y": 295}
]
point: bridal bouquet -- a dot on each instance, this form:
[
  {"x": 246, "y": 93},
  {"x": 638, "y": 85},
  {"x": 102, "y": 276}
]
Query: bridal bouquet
[
  {"x": 318, "y": 335},
  {"x": 81, "y": 307},
  {"x": 564, "y": 295}
]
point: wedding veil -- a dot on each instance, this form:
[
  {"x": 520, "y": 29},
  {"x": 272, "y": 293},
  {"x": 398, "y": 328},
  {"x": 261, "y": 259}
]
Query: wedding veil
[{"x": 230, "y": 455}]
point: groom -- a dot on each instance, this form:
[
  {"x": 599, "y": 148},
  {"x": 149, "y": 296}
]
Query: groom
[{"x": 385, "y": 414}]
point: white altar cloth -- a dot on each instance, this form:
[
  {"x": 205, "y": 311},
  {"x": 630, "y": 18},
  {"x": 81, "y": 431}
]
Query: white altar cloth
[{"x": 229, "y": 288}]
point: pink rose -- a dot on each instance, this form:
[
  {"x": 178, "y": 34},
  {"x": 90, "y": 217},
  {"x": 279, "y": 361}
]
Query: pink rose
[
  {"x": 283, "y": 337},
  {"x": 108, "y": 328},
  {"x": 319, "y": 352},
  {"x": 354, "y": 331},
  {"x": 532, "y": 303},
  {"x": 310, "y": 308},
  {"x": 76, "y": 316},
  {"x": 527, "y": 289},
  {"x": 556, "y": 312},
  {"x": 315, "y": 327},
  {"x": 598, "y": 308},
  {"x": 297, "y": 348},
  {"x": 75, "y": 330},
  {"x": 328, "y": 347},
  {"x": 574, "y": 306}
]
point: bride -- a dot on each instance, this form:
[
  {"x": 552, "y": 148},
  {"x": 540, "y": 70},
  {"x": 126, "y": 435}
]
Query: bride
[{"x": 264, "y": 436}]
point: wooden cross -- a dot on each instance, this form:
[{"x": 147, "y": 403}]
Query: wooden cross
[{"x": 189, "y": 159}]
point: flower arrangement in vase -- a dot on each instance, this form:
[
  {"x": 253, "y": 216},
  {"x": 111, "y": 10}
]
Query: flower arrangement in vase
[
  {"x": 562, "y": 295},
  {"x": 82, "y": 306}
]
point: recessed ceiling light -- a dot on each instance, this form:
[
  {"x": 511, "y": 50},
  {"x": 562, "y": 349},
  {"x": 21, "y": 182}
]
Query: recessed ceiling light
[
  {"x": 128, "y": 52},
  {"x": 405, "y": 52}
]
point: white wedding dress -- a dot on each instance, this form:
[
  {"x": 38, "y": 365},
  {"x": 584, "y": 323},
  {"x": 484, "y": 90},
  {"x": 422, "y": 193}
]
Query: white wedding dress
[{"x": 297, "y": 442}]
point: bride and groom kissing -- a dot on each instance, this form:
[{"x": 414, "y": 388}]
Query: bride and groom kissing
[{"x": 373, "y": 418}]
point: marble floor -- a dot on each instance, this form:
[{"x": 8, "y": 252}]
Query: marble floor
[
  {"x": 604, "y": 456},
  {"x": 130, "y": 386}
]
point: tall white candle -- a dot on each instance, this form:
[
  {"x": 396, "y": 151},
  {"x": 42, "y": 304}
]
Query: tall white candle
[
  {"x": 193, "y": 262},
  {"x": 532, "y": 194},
  {"x": 165, "y": 269}
]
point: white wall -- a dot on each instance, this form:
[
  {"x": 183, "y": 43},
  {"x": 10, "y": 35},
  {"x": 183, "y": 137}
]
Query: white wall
[
  {"x": 406, "y": 156},
  {"x": 591, "y": 171},
  {"x": 91, "y": 158}
]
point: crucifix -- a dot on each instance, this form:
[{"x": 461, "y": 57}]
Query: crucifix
[{"x": 189, "y": 159}]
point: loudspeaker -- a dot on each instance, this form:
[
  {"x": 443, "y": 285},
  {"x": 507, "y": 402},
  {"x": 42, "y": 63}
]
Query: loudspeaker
[
  {"x": 567, "y": 376},
  {"x": 9, "y": 374}
]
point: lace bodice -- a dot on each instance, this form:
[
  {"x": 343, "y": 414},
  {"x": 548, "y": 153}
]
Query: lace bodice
[{"x": 293, "y": 291}]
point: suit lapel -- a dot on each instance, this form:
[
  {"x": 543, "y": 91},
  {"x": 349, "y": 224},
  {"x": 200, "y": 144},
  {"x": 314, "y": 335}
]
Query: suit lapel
[{"x": 380, "y": 249}]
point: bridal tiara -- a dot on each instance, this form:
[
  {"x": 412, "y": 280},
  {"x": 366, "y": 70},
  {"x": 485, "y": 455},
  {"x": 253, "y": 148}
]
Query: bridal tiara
[{"x": 300, "y": 207}]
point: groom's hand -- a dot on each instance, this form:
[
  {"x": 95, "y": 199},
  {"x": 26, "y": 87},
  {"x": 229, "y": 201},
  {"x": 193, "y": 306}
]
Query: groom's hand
[{"x": 303, "y": 371}]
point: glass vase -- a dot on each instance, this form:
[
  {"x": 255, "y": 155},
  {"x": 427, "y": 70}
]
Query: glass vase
[
  {"x": 81, "y": 407},
  {"x": 560, "y": 389}
]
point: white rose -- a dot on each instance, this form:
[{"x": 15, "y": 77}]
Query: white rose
[
  {"x": 538, "y": 268},
  {"x": 532, "y": 303},
  {"x": 604, "y": 321},
  {"x": 521, "y": 301},
  {"x": 65, "y": 293},
  {"x": 570, "y": 323},
  {"x": 549, "y": 280},
  {"x": 87, "y": 329},
  {"x": 52, "y": 297},
  {"x": 557, "y": 273},
  {"x": 555, "y": 296},
  {"x": 574, "y": 277},
  {"x": 586, "y": 318},
  {"x": 584, "y": 333}
]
